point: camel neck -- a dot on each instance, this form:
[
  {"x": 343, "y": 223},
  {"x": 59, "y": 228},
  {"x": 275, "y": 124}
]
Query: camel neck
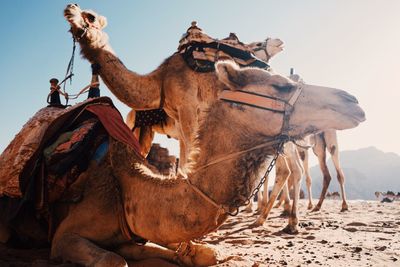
[
  {"x": 136, "y": 91},
  {"x": 229, "y": 182}
]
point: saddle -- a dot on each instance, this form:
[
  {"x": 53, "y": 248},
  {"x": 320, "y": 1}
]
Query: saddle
[
  {"x": 51, "y": 151},
  {"x": 201, "y": 52}
]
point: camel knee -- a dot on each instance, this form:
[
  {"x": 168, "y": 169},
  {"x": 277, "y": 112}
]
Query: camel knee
[
  {"x": 340, "y": 178},
  {"x": 76, "y": 249},
  {"x": 308, "y": 181}
]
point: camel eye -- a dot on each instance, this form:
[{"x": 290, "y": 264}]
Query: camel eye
[
  {"x": 91, "y": 18},
  {"x": 283, "y": 88}
]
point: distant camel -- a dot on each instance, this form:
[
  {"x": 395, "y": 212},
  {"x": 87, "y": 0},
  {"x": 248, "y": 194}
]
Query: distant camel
[{"x": 389, "y": 194}]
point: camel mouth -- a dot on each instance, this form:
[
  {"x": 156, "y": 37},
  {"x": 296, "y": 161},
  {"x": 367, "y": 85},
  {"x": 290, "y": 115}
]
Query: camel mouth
[{"x": 356, "y": 117}]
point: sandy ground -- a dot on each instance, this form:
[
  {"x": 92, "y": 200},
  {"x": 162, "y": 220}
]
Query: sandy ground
[{"x": 367, "y": 235}]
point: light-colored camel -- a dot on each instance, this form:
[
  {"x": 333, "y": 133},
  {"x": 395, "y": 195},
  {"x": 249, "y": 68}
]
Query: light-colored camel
[
  {"x": 170, "y": 211},
  {"x": 289, "y": 171},
  {"x": 389, "y": 194},
  {"x": 322, "y": 142},
  {"x": 289, "y": 174},
  {"x": 186, "y": 92}
]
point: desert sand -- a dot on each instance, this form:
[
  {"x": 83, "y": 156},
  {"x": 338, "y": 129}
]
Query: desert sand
[{"x": 367, "y": 235}]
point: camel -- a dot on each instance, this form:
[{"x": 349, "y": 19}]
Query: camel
[
  {"x": 233, "y": 140},
  {"x": 182, "y": 92},
  {"x": 391, "y": 195},
  {"x": 289, "y": 171}
]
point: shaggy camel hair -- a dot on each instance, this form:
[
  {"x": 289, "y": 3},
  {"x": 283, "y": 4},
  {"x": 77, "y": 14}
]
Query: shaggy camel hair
[
  {"x": 171, "y": 211},
  {"x": 186, "y": 93}
]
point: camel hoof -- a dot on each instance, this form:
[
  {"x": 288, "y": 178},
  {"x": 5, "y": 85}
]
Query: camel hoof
[
  {"x": 316, "y": 208},
  {"x": 257, "y": 223},
  {"x": 310, "y": 206},
  {"x": 290, "y": 229},
  {"x": 344, "y": 209},
  {"x": 198, "y": 255}
]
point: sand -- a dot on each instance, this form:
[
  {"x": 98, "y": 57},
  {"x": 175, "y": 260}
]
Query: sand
[{"x": 367, "y": 235}]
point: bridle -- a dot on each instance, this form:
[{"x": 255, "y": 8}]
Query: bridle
[
  {"x": 265, "y": 102},
  {"x": 263, "y": 47},
  {"x": 85, "y": 29}
]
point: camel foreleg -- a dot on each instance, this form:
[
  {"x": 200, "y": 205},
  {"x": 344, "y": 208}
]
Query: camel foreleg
[
  {"x": 74, "y": 248},
  {"x": 282, "y": 174},
  {"x": 133, "y": 251},
  {"x": 263, "y": 198},
  {"x": 295, "y": 179},
  {"x": 333, "y": 148},
  {"x": 285, "y": 198},
  {"x": 304, "y": 157},
  {"x": 320, "y": 151}
]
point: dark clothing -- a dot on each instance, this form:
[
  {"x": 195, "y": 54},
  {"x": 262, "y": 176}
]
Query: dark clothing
[
  {"x": 94, "y": 92},
  {"x": 55, "y": 98}
]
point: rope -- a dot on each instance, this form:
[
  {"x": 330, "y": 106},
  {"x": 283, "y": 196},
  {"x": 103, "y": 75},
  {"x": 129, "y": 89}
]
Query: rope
[
  {"x": 84, "y": 90},
  {"x": 70, "y": 68}
]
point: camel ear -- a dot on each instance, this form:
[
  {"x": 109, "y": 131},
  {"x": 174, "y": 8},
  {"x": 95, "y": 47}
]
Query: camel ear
[
  {"x": 230, "y": 74},
  {"x": 102, "y": 21}
]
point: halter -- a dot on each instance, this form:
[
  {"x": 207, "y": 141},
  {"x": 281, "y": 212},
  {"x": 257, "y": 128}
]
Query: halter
[
  {"x": 263, "y": 47},
  {"x": 265, "y": 102}
]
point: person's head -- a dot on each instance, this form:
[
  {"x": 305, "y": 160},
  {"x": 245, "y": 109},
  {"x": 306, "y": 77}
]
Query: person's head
[{"x": 53, "y": 81}]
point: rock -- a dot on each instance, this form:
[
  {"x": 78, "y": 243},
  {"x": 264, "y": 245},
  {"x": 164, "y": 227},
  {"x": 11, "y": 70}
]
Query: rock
[{"x": 159, "y": 158}]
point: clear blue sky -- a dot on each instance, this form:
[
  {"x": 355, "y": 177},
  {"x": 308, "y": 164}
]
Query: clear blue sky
[{"x": 352, "y": 45}]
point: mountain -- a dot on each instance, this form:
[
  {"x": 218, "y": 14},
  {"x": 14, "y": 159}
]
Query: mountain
[{"x": 366, "y": 170}]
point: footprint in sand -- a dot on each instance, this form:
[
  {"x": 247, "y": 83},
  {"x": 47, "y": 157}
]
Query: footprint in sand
[
  {"x": 310, "y": 237},
  {"x": 356, "y": 224},
  {"x": 350, "y": 229}
]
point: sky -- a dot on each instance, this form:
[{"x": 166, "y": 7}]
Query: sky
[{"x": 352, "y": 45}]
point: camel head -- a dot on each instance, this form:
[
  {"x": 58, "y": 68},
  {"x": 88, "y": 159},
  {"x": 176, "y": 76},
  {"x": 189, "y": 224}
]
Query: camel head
[
  {"x": 86, "y": 25},
  {"x": 267, "y": 49},
  {"x": 316, "y": 108}
]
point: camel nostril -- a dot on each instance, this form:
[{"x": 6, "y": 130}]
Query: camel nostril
[{"x": 348, "y": 97}]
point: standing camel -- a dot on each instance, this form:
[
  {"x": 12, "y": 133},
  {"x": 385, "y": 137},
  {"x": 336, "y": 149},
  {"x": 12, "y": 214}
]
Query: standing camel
[
  {"x": 322, "y": 142},
  {"x": 182, "y": 92},
  {"x": 234, "y": 140}
]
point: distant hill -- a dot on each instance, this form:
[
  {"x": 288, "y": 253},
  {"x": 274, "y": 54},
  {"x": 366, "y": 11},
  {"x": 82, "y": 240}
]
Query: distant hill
[{"x": 366, "y": 170}]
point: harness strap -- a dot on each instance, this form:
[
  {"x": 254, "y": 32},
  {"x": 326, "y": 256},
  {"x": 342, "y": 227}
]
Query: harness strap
[
  {"x": 221, "y": 209},
  {"x": 254, "y": 100},
  {"x": 238, "y": 153}
]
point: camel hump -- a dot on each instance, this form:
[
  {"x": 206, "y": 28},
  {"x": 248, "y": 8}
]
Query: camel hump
[{"x": 19, "y": 158}]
